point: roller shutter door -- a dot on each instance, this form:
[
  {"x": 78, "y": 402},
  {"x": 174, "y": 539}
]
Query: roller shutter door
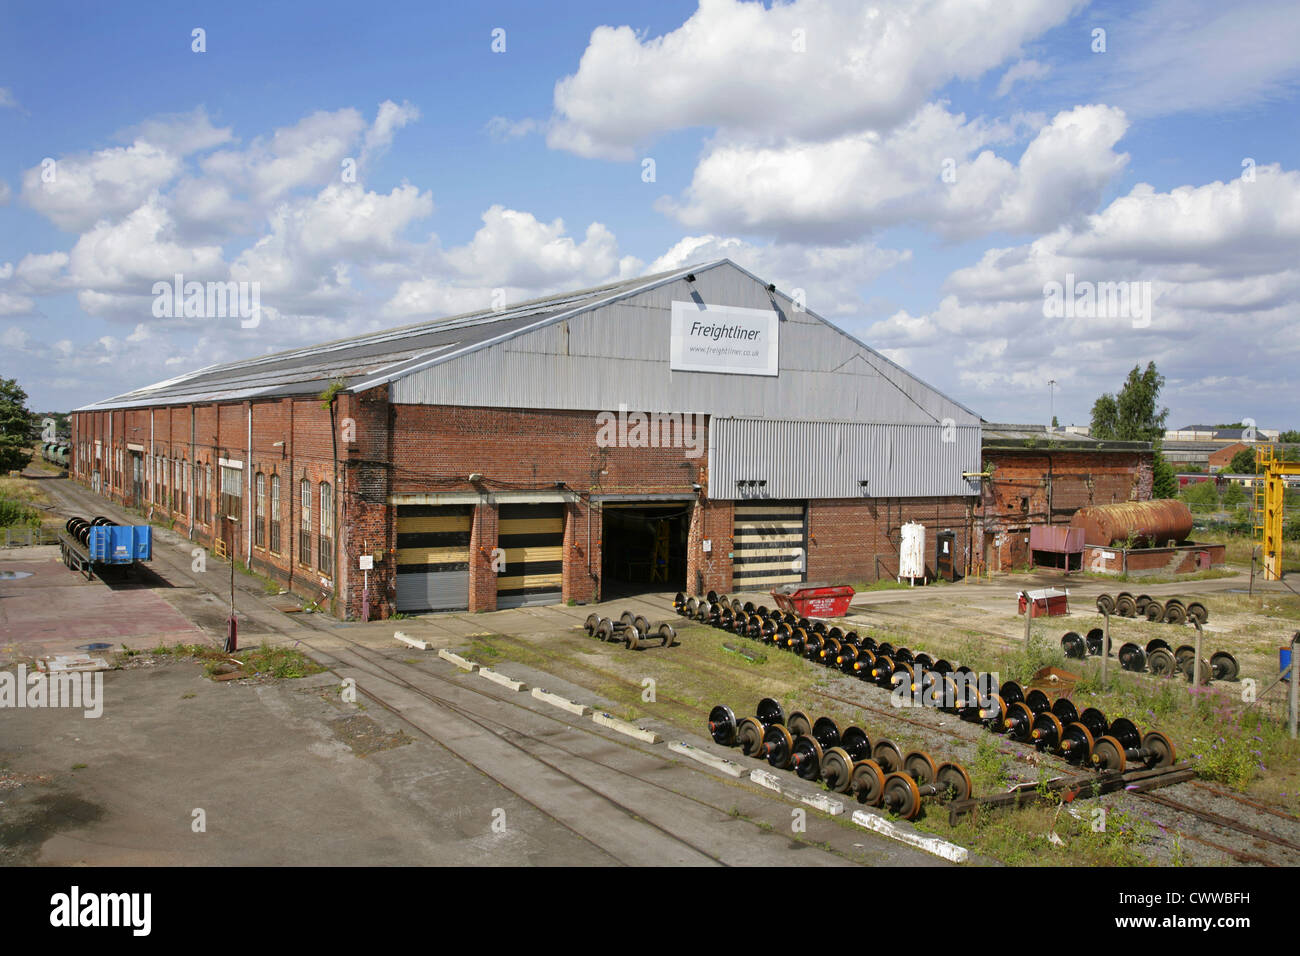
[
  {"x": 532, "y": 537},
  {"x": 768, "y": 545},
  {"x": 433, "y": 557}
]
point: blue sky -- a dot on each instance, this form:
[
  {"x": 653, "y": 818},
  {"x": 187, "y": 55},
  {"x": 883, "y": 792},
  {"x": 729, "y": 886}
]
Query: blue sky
[{"x": 807, "y": 141}]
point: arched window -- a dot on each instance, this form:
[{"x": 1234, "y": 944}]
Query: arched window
[
  {"x": 259, "y": 511},
  {"x": 275, "y": 513},
  {"x": 304, "y": 525},
  {"x": 325, "y": 550}
]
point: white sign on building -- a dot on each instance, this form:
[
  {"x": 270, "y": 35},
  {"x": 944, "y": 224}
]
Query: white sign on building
[{"x": 724, "y": 338}]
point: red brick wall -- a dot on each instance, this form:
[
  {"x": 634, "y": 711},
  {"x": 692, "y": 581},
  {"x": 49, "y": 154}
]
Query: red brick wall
[
  {"x": 858, "y": 540},
  {"x": 222, "y": 432},
  {"x": 1034, "y": 486},
  {"x": 581, "y": 557},
  {"x": 714, "y": 521}
]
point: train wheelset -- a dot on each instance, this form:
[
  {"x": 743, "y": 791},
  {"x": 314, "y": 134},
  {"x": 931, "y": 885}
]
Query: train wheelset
[{"x": 632, "y": 630}]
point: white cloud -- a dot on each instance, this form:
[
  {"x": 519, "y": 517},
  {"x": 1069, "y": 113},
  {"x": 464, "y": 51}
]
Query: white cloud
[
  {"x": 1023, "y": 70},
  {"x": 7, "y": 100},
  {"x": 388, "y": 120},
  {"x": 867, "y": 181},
  {"x": 811, "y": 69},
  {"x": 15, "y": 304},
  {"x": 514, "y": 248},
  {"x": 77, "y": 191},
  {"x": 1172, "y": 56},
  {"x": 830, "y": 276},
  {"x": 42, "y": 273},
  {"x": 1221, "y": 263},
  {"x": 501, "y": 129},
  {"x": 131, "y": 255},
  {"x": 180, "y": 134},
  {"x": 309, "y": 153},
  {"x": 4, "y": 193}
]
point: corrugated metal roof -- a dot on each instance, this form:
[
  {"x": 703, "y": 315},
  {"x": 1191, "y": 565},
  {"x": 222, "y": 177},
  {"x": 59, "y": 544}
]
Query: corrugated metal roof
[
  {"x": 827, "y": 383},
  {"x": 1030, "y": 436},
  {"x": 375, "y": 356}
]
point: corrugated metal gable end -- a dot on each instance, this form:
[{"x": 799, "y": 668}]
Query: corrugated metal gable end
[
  {"x": 618, "y": 354},
  {"x": 804, "y": 459}
]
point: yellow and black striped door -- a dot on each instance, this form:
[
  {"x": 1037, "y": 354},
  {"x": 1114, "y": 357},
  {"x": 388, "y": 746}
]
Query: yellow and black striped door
[
  {"x": 769, "y": 550},
  {"x": 532, "y": 539},
  {"x": 433, "y": 557}
]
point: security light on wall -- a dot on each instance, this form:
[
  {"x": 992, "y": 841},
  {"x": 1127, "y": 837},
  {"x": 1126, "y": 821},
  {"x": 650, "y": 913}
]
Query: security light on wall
[{"x": 690, "y": 277}]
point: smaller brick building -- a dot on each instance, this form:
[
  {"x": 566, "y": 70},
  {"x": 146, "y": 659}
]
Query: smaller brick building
[{"x": 1041, "y": 477}]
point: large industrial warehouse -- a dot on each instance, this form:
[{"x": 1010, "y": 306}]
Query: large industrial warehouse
[{"x": 690, "y": 429}]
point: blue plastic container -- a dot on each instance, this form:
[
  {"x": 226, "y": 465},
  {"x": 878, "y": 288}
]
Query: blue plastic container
[{"x": 1283, "y": 659}]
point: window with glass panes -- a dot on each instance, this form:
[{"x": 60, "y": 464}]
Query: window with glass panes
[
  {"x": 325, "y": 550},
  {"x": 304, "y": 524}
]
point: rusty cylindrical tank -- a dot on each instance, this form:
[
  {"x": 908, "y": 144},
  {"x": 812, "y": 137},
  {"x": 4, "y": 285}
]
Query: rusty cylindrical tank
[{"x": 1152, "y": 523}]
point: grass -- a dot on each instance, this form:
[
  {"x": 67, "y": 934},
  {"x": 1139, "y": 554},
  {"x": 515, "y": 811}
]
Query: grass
[
  {"x": 689, "y": 679},
  {"x": 1022, "y": 837},
  {"x": 1239, "y": 547},
  {"x": 1161, "y": 578},
  {"x": 280, "y": 663}
]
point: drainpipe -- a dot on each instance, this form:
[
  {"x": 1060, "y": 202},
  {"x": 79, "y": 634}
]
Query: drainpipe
[
  {"x": 248, "y": 487},
  {"x": 334, "y": 506},
  {"x": 191, "y": 476}
]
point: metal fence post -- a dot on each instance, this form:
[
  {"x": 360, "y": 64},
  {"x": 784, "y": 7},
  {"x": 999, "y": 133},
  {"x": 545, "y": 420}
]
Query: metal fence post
[
  {"x": 1294, "y": 696},
  {"x": 1105, "y": 648},
  {"x": 1196, "y": 664}
]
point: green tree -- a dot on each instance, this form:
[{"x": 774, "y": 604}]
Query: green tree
[
  {"x": 1243, "y": 462},
  {"x": 1164, "y": 480},
  {"x": 1233, "y": 495},
  {"x": 1289, "y": 437},
  {"x": 15, "y": 426},
  {"x": 1201, "y": 496},
  {"x": 1132, "y": 415}
]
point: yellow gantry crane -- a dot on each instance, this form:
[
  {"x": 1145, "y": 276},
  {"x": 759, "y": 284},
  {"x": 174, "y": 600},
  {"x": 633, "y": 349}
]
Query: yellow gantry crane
[{"x": 1270, "y": 496}]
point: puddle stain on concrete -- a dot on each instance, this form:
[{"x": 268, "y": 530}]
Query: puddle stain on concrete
[{"x": 33, "y": 821}]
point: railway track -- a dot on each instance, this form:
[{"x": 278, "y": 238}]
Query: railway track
[
  {"x": 367, "y": 662},
  {"x": 562, "y": 768},
  {"x": 1283, "y": 851}
]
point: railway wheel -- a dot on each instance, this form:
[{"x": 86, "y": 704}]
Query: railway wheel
[
  {"x": 1196, "y": 611},
  {"x": 953, "y": 781},
  {"x": 778, "y": 746},
  {"x": 1175, "y": 613},
  {"x": 887, "y": 755},
  {"x": 1108, "y": 754},
  {"x": 901, "y": 796},
  {"x": 868, "y": 782},
  {"x": 1160, "y": 748},
  {"x": 723, "y": 727},
  {"x": 1161, "y": 662}
]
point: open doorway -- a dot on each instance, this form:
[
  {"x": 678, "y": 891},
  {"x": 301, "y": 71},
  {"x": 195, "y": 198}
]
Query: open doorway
[{"x": 643, "y": 548}]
